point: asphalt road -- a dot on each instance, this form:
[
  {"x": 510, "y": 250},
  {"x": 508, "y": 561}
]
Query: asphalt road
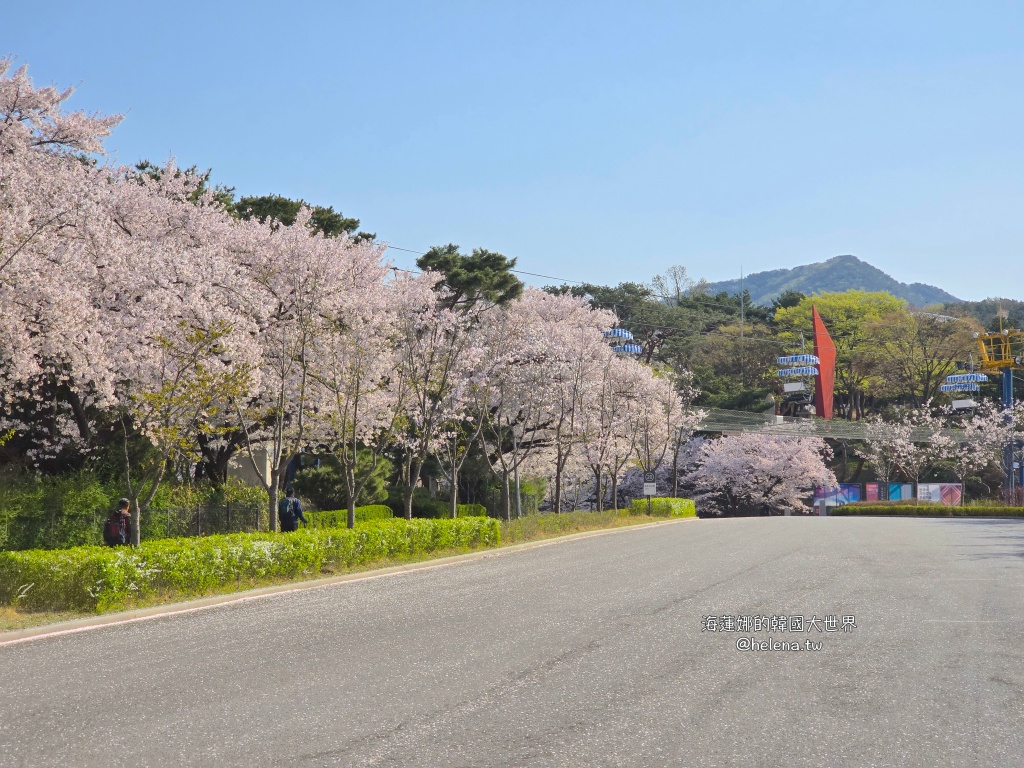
[{"x": 584, "y": 653}]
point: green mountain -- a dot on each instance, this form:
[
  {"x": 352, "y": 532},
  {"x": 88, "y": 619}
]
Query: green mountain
[{"x": 840, "y": 273}]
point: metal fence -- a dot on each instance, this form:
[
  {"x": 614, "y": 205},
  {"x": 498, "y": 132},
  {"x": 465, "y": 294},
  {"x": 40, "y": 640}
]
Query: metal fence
[
  {"x": 203, "y": 520},
  {"x": 1013, "y": 497}
]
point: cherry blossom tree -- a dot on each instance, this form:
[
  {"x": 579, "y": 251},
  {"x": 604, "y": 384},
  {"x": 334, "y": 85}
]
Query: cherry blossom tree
[
  {"x": 436, "y": 358},
  {"x": 762, "y": 472},
  {"x": 929, "y": 446},
  {"x": 605, "y": 424},
  {"x": 193, "y": 383},
  {"x": 884, "y": 443},
  {"x": 513, "y": 399},
  {"x": 581, "y": 350},
  {"x": 47, "y": 192},
  {"x": 108, "y": 280},
  {"x": 366, "y": 402},
  {"x": 985, "y": 433},
  {"x": 309, "y": 294},
  {"x": 547, "y": 351}
]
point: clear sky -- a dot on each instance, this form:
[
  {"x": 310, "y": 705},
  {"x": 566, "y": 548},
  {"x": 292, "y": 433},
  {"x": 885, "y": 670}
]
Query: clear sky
[{"x": 591, "y": 140}]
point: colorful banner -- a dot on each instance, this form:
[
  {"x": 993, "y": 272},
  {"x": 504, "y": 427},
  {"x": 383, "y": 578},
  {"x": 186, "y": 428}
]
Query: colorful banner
[
  {"x": 871, "y": 492},
  {"x": 844, "y": 494},
  {"x": 948, "y": 494},
  {"x": 901, "y": 491}
]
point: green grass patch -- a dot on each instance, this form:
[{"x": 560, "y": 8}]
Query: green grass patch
[
  {"x": 534, "y": 527},
  {"x": 665, "y": 507},
  {"x": 11, "y": 618}
]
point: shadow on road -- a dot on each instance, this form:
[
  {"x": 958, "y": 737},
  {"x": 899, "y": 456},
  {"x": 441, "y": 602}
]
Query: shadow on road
[{"x": 991, "y": 538}]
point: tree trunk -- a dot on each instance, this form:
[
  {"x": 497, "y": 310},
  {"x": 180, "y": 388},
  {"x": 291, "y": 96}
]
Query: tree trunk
[
  {"x": 415, "y": 467},
  {"x": 273, "y": 491},
  {"x": 454, "y": 500},
  {"x": 599, "y": 496},
  {"x": 350, "y": 492},
  {"x": 675, "y": 471},
  {"x": 506, "y": 506},
  {"x": 136, "y": 522},
  {"x": 558, "y": 487},
  {"x": 519, "y": 495},
  {"x": 615, "y": 491},
  {"x": 857, "y": 471},
  {"x": 406, "y": 487}
]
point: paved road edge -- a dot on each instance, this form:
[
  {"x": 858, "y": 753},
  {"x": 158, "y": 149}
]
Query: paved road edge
[{"x": 205, "y": 603}]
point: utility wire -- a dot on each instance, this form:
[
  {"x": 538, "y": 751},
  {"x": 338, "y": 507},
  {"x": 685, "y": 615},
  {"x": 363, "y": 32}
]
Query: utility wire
[{"x": 676, "y": 328}]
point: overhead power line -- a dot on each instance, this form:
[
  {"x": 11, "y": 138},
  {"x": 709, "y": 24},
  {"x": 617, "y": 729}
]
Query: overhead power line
[{"x": 671, "y": 327}]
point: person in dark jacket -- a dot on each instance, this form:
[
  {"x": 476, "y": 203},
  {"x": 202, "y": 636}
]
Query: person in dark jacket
[
  {"x": 289, "y": 511},
  {"x": 117, "y": 531}
]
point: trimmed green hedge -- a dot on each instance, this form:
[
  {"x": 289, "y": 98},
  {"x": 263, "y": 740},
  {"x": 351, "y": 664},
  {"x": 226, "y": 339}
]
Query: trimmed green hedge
[
  {"x": 923, "y": 510},
  {"x": 665, "y": 507},
  {"x": 104, "y": 579},
  {"x": 338, "y": 518}
]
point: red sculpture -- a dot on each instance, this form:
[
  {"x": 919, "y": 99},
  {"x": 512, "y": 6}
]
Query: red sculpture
[{"x": 825, "y": 349}]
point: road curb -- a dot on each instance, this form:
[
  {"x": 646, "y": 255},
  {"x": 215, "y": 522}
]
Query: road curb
[{"x": 205, "y": 603}]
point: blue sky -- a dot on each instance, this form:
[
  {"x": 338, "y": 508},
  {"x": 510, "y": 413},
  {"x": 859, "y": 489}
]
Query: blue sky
[{"x": 593, "y": 141}]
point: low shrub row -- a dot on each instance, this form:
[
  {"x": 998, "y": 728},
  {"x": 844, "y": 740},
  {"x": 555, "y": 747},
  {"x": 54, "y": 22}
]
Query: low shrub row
[
  {"x": 665, "y": 507},
  {"x": 891, "y": 509},
  {"x": 338, "y": 518},
  {"x": 101, "y": 579}
]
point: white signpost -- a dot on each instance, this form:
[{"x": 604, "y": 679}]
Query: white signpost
[{"x": 650, "y": 488}]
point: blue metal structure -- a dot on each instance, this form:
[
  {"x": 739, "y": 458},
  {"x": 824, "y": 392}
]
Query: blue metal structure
[
  {"x": 797, "y": 359},
  {"x": 619, "y": 333},
  {"x": 804, "y": 371},
  {"x": 966, "y": 378},
  {"x": 964, "y": 387}
]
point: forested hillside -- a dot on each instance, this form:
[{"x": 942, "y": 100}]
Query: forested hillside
[{"x": 840, "y": 273}]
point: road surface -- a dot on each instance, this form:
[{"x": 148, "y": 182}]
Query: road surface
[{"x": 594, "y": 652}]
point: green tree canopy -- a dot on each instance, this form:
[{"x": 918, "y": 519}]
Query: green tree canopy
[
  {"x": 849, "y": 317},
  {"x": 483, "y": 275},
  {"x": 324, "y": 219}
]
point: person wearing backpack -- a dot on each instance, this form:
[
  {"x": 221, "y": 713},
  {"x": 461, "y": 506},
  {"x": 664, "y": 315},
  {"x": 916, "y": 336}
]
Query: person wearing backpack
[
  {"x": 289, "y": 511},
  {"x": 117, "y": 531}
]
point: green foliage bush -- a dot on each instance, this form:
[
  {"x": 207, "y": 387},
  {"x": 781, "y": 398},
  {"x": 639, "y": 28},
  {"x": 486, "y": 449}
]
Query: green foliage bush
[
  {"x": 471, "y": 510},
  {"x": 423, "y": 505},
  {"x": 41, "y": 512},
  {"x": 338, "y": 518},
  {"x": 233, "y": 491},
  {"x": 665, "y": 507},
  {"x": 102, "y": 579},
  {"x": 174, "y": 509},
  {"x": 892, "y": 509},
  {"x": 58, "y": 512},
  {"x": 324, "y": 486}
]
